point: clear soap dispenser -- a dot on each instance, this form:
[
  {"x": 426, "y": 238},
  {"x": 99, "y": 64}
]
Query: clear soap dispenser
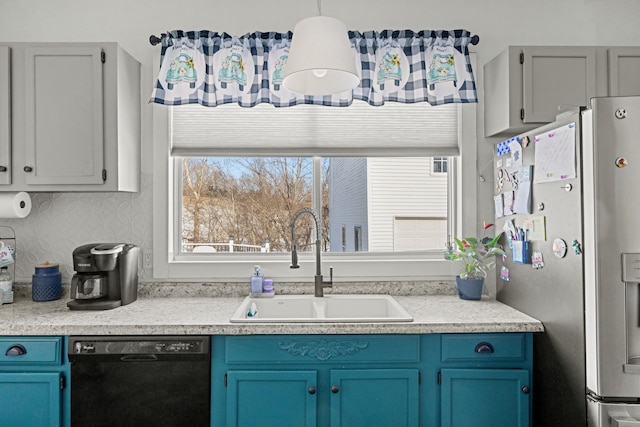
[{"x": 256, "y": 282}]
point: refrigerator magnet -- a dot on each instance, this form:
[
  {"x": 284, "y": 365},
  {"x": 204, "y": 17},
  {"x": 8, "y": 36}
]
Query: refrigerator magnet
[
  {"x": 504, "y": 273},
  {"x": 559, "y": 248},
  {"x": 621, "y": 162},
  {"x": 577, "y": 249},
  {"x": 537, "y": 260}
]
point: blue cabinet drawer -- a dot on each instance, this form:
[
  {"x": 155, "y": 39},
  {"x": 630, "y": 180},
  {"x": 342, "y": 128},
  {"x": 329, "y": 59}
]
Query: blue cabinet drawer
[
  {"x": 322, "y": 348},
  {"x": 30, "y": 351},
  {"x": 503, "y": 347}
]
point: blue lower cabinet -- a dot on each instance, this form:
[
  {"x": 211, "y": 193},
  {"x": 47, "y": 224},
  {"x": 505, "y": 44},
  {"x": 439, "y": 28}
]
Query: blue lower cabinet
[
  {"x": 390, "y": 380},
  {"x": 271, "y": 398},
  {"x": 351, "y": 398},
  {"x": 485, "y": 380},
  {"x": 485, "y": 398},
  {"x": 30, "y": 399},
  {"x": 316, "y": 380},
  {"x": 374, "y": 397},
  {"x": 33, "y": 390}
]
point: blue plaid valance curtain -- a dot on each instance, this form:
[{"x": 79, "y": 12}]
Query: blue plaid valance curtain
[{"x": 209, "y": 68}]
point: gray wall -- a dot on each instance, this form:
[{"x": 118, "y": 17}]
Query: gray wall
[{"x": 60, "y": 222}]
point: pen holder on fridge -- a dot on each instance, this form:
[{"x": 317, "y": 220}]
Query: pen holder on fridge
[{"x": 520, "y": 251}]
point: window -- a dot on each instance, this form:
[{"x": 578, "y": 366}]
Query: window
[
  {"x": 175, "y": 254},
  {"x": 246, "y": 204},
  {"x": 357, "y": 238},
  {"x": 439, "y": 165}
]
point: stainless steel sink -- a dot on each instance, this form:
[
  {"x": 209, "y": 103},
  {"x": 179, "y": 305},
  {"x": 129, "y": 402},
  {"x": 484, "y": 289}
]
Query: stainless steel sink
[{"x": 330, "y": 308}]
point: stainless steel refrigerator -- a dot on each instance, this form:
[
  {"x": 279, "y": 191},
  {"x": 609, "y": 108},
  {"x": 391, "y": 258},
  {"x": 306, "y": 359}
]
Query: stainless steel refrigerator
[{"x": 576, "y": 213}]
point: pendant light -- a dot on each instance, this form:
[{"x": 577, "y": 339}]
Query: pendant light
[{"x": 321, "y": 60}]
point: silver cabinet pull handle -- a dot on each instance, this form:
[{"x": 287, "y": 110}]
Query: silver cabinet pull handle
[
  {"x": 16, "y": 350},
  {"x": 484, "y": 347}
]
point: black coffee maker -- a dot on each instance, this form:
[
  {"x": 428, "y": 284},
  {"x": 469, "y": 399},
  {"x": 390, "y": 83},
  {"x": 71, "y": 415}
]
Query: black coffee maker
[{"x": 106, "y": 276}]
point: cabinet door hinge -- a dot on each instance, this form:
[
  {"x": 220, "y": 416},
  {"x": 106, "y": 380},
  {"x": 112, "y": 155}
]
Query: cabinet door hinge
[
  {"x": 103, "y": 57},
  {"x": 522, "y": 114},
  {"x": 522, "y": 57},
  {"x": 63, "y": 382},
  {"x": 225, "y": 380},
  {"x": 104, "y": 174},
  {"x": 439, "y": 377}
]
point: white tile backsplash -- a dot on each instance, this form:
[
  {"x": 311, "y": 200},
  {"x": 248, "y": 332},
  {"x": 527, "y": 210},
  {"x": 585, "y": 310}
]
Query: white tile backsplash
[{"x": 59, "y": 222}]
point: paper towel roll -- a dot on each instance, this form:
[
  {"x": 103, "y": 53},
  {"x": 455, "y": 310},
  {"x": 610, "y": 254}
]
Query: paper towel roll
[{"x": 15, "y": 205}]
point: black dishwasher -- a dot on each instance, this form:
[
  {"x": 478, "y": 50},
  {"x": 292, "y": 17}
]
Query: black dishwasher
[{"x": 136, "y": 381}]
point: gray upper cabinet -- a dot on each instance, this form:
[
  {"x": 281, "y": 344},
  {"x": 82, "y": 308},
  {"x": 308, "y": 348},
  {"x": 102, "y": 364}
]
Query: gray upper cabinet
[
  {"x": 63, "y": 115},
  {"x": 5, "y": 116},
  {"x": 556, "y": 79},
  {"x": 527, "y": 86},
  {"x": 624, "y": 71},
  {"x": 75, "y": 115}
]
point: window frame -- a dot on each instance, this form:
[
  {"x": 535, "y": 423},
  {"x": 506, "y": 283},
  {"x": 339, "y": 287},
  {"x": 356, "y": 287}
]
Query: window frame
[
  {"x": 348, "y": 267},
  {"x": 343, "y": 237}
]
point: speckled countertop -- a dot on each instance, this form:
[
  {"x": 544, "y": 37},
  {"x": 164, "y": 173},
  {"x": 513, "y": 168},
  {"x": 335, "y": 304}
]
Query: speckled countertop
[{"x": 196, "y": 309}]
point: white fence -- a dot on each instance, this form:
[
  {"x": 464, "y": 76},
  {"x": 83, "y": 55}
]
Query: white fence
[{"x": 230, "y": 246}]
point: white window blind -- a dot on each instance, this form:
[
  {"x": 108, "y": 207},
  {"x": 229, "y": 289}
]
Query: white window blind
[{"x": 395, "y": 129}]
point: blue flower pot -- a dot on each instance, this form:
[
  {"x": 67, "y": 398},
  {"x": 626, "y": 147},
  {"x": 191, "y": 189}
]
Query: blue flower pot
[{"x": 470, "y": 289}]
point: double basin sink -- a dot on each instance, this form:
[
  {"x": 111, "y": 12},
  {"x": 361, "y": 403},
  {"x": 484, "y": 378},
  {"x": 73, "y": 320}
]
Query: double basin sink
[{"x": 330, "y": 308}]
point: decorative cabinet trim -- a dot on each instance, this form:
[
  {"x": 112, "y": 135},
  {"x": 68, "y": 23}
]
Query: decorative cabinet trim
[
  {"x": 323, "y": 349},
  {"x": 301, "y": 349}
]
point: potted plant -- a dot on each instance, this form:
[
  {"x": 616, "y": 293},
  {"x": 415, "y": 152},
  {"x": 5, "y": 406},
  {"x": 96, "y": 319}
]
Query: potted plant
[{"x": 477, "y": 258}]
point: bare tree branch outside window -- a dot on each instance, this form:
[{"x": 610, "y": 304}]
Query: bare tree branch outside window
[{"x": 249, "y": 201}]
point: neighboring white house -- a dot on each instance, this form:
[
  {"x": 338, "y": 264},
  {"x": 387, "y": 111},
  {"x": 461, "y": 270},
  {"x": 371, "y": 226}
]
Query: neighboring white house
[
  {"x": 370, "y": 211},
  {"x": 348, "y": 203}
]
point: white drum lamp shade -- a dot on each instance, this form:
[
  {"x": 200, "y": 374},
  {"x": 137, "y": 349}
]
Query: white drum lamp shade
[{"x": 321, "y": 60}]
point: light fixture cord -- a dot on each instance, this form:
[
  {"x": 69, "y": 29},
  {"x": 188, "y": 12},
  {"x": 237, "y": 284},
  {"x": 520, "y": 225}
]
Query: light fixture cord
[{"x": 319, "y": 2}]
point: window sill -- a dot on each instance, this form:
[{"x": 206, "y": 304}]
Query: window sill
[{"x": 346, "y": 268}]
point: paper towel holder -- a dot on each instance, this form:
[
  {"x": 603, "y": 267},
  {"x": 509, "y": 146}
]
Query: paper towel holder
[{"x": 14, "y": 205}]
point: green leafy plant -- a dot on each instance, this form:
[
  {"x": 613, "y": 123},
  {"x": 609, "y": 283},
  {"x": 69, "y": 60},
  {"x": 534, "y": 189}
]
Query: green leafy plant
[{"x": 476, "y": 257}]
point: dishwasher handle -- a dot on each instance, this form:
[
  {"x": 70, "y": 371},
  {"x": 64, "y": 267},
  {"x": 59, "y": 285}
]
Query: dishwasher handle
[{"x": 139, "y": 358}]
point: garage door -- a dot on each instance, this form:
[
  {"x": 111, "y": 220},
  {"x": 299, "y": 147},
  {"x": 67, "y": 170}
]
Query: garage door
[{"x": 415, "y": 234}]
